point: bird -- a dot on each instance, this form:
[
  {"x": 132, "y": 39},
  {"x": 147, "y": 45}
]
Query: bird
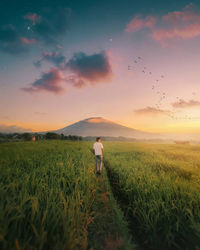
[{"x": 135, "y": 61}]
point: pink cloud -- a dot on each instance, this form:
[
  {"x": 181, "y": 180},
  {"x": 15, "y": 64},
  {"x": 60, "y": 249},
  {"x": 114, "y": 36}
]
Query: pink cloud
[
  {"x": 33, "y": 17},
  {"x": 165, "y": 35},
  {"x": 151, "y": 111},
  {"x": 180, "y": 24},
  {"x": 80, "y": 70},
  {"x": 89, "y": 69},
  {"x": 138, "y": 23},
  {"x": 186, "y": 104},
  {"x": 27, "y": 41},
  {"x": 175, "y": 25},
  {"x": 50, "y": 81},
  {"x": 186, "y": 15}
]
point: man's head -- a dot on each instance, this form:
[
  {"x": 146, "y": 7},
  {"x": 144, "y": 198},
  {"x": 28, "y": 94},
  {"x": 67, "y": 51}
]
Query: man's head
[{"x": 98, "y": 139}]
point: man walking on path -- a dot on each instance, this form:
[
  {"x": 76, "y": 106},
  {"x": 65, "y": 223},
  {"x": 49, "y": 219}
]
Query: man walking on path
[{"x": 98, "y": 151}]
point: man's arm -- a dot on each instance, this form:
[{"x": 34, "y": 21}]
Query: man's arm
[{"x": 102, "y": 150}]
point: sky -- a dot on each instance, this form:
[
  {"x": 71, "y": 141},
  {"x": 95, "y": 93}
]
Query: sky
[{"x": 131, "y": 62}]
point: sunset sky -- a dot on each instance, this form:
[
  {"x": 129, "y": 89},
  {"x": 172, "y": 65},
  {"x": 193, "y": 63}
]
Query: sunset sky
[{"x": 133, "y": 62}]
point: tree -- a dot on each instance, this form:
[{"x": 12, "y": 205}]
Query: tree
[
  {"x": 26, "y": 137},
  {"x": 52, "y": 136}
]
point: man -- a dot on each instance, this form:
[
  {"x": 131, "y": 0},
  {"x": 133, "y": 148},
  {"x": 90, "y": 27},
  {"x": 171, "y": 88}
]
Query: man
[{"x": 98, "y": 151}]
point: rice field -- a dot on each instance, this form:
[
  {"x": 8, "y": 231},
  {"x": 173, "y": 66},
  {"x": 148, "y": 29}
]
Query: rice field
[
  {"x": 147, "y": 198},
  {"x": 159, "y": 191},
  {"x": 50, "y": 197}
]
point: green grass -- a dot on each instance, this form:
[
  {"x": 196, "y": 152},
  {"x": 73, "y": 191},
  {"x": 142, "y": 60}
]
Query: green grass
[
  {"x": 158, "y": 189},
  {"x": 50, "y": 198}
]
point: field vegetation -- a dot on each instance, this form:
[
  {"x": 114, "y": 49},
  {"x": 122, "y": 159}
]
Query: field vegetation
[
  {"x": 158, "y": 189},
  {"x": 147, "y": 198}
]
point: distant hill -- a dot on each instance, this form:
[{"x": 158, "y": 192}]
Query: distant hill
[
  {"x": 13, "y": 129},
  {"x": 98, "y": 126}
]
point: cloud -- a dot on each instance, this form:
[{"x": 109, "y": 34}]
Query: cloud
[
  {"x": 53, "y": 57},
  {"x": 48, "y": 28},
  {"x": 37, "y": 64},
  {"x": 13, "y": 129},
  {"x": 138, "y": 23},
  {"x": 40, "y": 113},
  {"x": 186, "y": 104},
  {"x": 27, "y": 41},
  {"x": 33, "y": 17},
  {"x": 79, "y": 71},
  {"x": 11, "y": 41},
  {"x": 151, "y": 111},
  {"x": 175, "y": 25},
  {"x": 51, "y": 25},
  {"x": 89, "y": 69},
  {"x": 50, "y": 81}
]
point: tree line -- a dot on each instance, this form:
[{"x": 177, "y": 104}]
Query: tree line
[{"x": 36, "y": 137}]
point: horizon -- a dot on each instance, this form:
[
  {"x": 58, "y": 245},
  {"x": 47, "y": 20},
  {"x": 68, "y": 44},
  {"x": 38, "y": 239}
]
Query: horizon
[
  {"x": 98, "y": 120},
  {"x": 138, "y": 66}
]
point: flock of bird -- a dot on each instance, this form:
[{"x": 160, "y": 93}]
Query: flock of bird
[{"x": 156, "y": 89}]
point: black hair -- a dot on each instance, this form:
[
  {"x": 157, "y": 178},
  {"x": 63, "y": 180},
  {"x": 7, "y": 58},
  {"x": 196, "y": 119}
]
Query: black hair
[{"x": 98, "y": 138}]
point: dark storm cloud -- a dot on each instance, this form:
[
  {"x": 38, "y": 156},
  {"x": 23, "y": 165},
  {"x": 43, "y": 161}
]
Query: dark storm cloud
[
  {"x": 89, "y": 68},
  {"x": 11, "y": 41},
  {"x": 50, "y": 25},
  {"x": 50, "y": 81}
]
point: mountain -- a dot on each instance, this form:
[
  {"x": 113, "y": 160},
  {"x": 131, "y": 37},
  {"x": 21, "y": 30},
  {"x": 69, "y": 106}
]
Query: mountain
[
  {"x": 13, "y": 129},
  {"x": 98, "y": 126}
]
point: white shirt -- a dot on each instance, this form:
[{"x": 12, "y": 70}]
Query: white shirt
[{"x": 97, "y": 148}]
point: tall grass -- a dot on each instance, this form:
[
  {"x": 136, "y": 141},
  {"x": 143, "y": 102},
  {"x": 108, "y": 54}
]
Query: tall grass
[
  {"x": 158, "y": 189},
  {"x": 51, "y": 198},
  {"x": 46, "y": 194}
]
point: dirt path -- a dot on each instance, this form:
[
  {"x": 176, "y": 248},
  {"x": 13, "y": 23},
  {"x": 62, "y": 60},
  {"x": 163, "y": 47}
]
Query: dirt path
[{"x": 109, "y": 230}]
